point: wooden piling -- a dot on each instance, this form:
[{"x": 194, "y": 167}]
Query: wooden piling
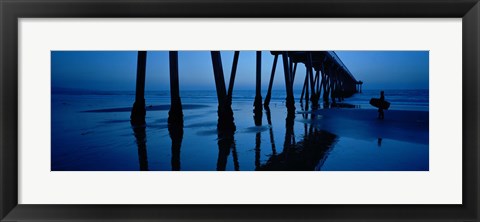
[
  {"x": 258, "y": 83},
  {"x": 305, "y": 85},
  {"x": 257, "y": 110},
  {"x": 290, "y": 103},
  {"x": 315, "y": 93},
  {"x": 137, "y": 116},
  {"x": 332, "y": 84},
  {"x": 175, "y": 115},
  {"x": 326, "y": 85},
  {"x": 225, "y": 113},
  {"x": 266, "y": 103},
  {"x": 309, "y": 66},
  {"x": 294, "y": 71},
  {"x": 232, "y": 76}
]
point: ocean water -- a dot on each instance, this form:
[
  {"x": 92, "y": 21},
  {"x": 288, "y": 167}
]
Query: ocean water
[
  {"x": 91, "y": 131},
  {"x": 399, "y": 99}
]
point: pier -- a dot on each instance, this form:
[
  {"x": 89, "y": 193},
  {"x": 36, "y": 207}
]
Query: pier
[
  {"x": 269, "y": 111},
  {"x": 326, "y": 77}
]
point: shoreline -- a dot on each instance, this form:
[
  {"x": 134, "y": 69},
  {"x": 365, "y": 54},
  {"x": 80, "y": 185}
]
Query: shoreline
[{"x": 402, "y": 125}]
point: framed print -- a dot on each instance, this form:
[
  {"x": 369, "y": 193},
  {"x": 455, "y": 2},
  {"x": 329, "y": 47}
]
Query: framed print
[{"x": 315, "y": 110}]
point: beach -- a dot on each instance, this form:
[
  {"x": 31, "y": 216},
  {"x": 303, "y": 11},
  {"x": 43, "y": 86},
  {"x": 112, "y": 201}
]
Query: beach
[{"x": 91, "y": 131}]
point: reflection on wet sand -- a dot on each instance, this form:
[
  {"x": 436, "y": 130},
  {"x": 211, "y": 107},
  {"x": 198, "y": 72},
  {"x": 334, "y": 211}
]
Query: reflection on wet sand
[
  {"x": 176, "y": 135},
  {"x": 257, "y": 117},
  {"x": 226, "y": 142},
  {"x": 269, "y": 120},
  {"x": 106, "y": 141},
  {"x": 141, "y": 140},
  {"x": 305, "y": 155}
]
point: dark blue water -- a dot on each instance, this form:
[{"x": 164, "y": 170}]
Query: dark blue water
[{"x": 91, "y": 131}]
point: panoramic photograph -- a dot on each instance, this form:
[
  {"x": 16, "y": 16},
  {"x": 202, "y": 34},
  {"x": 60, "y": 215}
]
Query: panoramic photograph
[{"x": 239, "y": 110}]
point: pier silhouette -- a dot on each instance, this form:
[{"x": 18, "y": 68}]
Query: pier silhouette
[
  {"x": 325, "y": 75},
  {"x": 238, "y": 111}
]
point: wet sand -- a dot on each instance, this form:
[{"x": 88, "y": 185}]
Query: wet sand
[
  {"x": 397, "y": 143},
  {"x": 336, "y": 139},
  {"x": 363, "y": 124}
]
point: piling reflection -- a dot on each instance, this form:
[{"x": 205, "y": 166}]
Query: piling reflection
[
  {"x": 176, "y": 135},
  {"x": 236, "y": 165},
  {"x": 289, "y": 133},
  {"x": 269, "y": 120},
  {"x": 141, "y": 140},
  {"x": 308, "y": 154},
  {"x": 258, "y": 137},
  {"x": 226, "y": 142}
]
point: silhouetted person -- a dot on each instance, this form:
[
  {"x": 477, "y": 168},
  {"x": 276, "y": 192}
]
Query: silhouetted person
[{"x": 380, "y": 110}]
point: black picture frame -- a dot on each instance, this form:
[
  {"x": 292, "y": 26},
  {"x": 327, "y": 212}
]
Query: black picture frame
[{"x": 11, "y": 11}]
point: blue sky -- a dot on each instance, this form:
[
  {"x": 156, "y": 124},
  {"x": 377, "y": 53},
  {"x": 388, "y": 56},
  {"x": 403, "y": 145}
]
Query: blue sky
[{"x": 116, "y": 70}]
